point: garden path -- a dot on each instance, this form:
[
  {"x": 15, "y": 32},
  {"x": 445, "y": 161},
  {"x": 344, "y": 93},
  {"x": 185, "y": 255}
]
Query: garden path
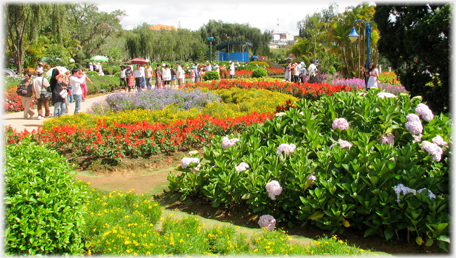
[{"x": 16, "y": 120}]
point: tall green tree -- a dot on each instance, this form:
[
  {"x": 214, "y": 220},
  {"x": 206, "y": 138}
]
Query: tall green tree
[{"x": 416, "y": 40}]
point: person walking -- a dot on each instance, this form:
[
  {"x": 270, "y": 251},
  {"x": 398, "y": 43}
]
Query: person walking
[
  {"x": 84, "y": 84},
  {"x": 148, "y": 71},
  {"x": 232, "y": 69},
  {"x": 59, "y": 94},
  {"x": 296, "y": 71},
  {"x": 40, "y": 92},
  {"x": 373, "y": 76},
  {"x": 27, "y": 85},
  {"x": 193, "y": 74},
  {"x": 196, "y": 72},
  {"x": 173, "y": 77},
  {"x": 180, "y": 75},
  {"x": 166, "y": 75},
  {"x": 287, "y": 71},
  {"x": 123, "y": 78},
  {"x": 129, "y": 75},
  {"x": 303, "y": 74},
  {"x": 75, "y": 84},
  {"x": 138, "y": 77},
  {"x": 208, "y": 66},
  {"x": 143, "y": 76},
  {"x": 366, "y": 72},
  {"x": 158, "y": 77},
  {"x": 312, "y": 71}
]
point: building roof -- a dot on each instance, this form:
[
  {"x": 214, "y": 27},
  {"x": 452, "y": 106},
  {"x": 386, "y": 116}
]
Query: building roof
[
  {"x": 226, "y": 44},
  {"x": 162, "y": 27}
]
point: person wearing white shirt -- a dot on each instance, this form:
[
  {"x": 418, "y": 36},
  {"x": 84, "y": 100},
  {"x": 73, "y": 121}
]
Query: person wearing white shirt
[
  {"x": 208, "y": 66},
  {"x": 232, "y": 70},
  {"x": 180, "y": 74},
  {"x": 296, "y": 71},
  {"x": 166, "y": 75},
  {"x": 138, "y": 77},
  {"x": 143, "y": 73},
  {"x": 312, "y": 71},
  {"x": 75, "y": 83}
]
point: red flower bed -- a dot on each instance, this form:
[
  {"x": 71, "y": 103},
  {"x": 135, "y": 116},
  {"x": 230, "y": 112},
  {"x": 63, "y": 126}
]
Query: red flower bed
[
  {"x": 13, "y": 102},
  {"x": 306, "y": 90},
  {"x": 135, "y": 140},
  {"x": 275, "y": 71},
  {"x": 243, "y": 74}
]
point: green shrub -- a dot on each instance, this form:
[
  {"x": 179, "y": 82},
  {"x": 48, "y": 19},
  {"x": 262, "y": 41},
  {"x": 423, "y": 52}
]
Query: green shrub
[
  {"x": 259, "y": 72},
  {"x": 92, "y": 73},
  {"x": 260, "y": 64},
  {"x": 107, "y": 82},
  {"x": 117, "y": 75},
  {"x": 44, "y": 203},
  {"x": 328, "y": 184},
  {"x": 210, "y": 76}
]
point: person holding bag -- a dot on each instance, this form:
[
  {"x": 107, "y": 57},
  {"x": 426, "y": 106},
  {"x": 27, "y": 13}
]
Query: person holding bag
[
  {"x": 59, "y": 96},
  {"x": 40, "y": 91},
  {"x": 26, "y": 90}
]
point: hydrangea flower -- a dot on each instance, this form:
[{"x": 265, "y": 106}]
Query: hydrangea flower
[
  {"x": 267, "y": 221},
  {"x": 414, "y": 127},
  {"x": 274, "y": 189},
  {"x": 417, "y": 138},
  {"x": 226, "y": 142},
  {"x": 413, "y": 118},
  {"x": 186, "y": 161},
  {"x": 433, "y": 149},
  {"x": 287, "y": 148},
  {"x": 242, "y": 167},
  {"x": 440, "y": 141},
  {"x": 385, "y": 95},
  {"x": 430, "y": 194},
  {"x": 401, "y": 188},
  {"x": 340, "y": 123},
  {"x": 313, "y": 178},
  {"x": 280, "y": 114},
  {"x": 424, "y": 111},
  {"x": 343, "y": 144},
  {"x": 388, "y": 139}
]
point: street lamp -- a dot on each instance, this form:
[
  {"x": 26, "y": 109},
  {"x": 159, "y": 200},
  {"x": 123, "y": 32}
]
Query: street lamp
[
  {"x": 210, "y": 41},
  {"x": 354, "y": 36}
]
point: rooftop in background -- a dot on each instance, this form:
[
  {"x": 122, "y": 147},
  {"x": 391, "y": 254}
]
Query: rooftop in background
[{"x": 162, "y": 27}]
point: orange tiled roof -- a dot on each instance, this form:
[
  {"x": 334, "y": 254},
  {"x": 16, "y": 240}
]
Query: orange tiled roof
[{"x": 162, "y": 27}]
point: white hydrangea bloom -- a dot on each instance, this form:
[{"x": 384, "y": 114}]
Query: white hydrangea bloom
[
  {"x": 267, "y": 221},
  {"x": 440, "y": 141},
  {"x": 287, "y": 148},
  {"x": 186, "y": 161},
  {"x": 433, "y": 149},
  {"x": 414, "y": 127},
  {"x": 385, "y": 95},
  {"x": 226, "y": 142},
  {"x": 424, "y": 111},
  {"x": 274, "y": 189},
  {"x": 242, "y": 167},
  {"x": 280, "y": 114}
]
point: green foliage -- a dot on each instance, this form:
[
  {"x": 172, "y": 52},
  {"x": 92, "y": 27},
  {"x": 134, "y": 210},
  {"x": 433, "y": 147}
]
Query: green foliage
[
  {"x": 353, "y": 186},
  {"x": 259, "y": 73},
  {"x": 44, "y": 204},
  {"x": 210, "y": 76},
  {"x": 422, "y": 56},
  {"x": 109, "y": 83},
  {"x": 260, "y": 64},
  {"x": 92, "y": 73}
]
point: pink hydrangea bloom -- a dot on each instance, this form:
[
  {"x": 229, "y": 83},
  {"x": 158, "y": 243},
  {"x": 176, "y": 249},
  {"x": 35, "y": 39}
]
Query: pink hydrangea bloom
[
  {"x": 417, "y": 138},
  {"x": 313, "y": 178},
  {"x": 386, "y": 95},
  {"x": 287, "y": 148},
  {"x": 226, "y": 142},
  {"x": 440, "y": 141},
  {"x": 413, "y": 118},
  {"x": 242, "y": 167},
  {"x": 424, "y": 111},
  {"x": 340, "y": 123},
  {"x": 343, "y": 144},
  {"x": 433, "y": 149},
  {"x": 274, "y": 189},
  {"x": 414, "y": 127},
  {"x": 186, "y": 161},
  {"x": 267, "y": 221},
  {"x": 388, "y": 139}
]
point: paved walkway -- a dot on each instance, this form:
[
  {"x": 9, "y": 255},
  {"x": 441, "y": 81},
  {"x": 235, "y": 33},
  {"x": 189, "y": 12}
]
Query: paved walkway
[{"x": 17, "y": 121}]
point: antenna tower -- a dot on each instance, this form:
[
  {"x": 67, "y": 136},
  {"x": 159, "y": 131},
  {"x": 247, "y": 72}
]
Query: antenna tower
[{"x": 278, "y": 27}]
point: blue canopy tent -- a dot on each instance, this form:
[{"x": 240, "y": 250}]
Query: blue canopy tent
[{"x": 236, "y": 56}]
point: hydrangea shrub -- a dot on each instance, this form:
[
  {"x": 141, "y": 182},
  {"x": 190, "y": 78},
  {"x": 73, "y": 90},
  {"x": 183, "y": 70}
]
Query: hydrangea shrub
[{"x": 339, "y": 174}]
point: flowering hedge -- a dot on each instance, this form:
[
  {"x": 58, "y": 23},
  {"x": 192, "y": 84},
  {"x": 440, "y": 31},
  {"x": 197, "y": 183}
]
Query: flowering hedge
[
  {"x": 13, "y": 102},
  {"x": 141, "y": 139},
  {"x": 340, "y": 162},
  {"x": 306, "y": 90}
]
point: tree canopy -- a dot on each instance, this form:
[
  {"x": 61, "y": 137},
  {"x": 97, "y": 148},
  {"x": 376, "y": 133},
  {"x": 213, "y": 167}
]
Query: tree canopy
[{"x": 416, "y": 40}]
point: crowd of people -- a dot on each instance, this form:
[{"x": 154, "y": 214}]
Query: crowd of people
[{"x": 297, "y": 72}]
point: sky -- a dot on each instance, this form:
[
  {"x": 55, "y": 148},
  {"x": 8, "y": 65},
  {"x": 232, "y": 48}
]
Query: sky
[{"x": 192, "y": 15}]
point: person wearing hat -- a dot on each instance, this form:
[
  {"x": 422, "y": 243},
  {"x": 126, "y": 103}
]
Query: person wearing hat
[
  {"x": 128, "y": 75},
  {"x": 89, "y": 66},
  {"x": 208, "y": 66},
  {"x": 180, "y": 75},
  {"x": 193, "y": 73},
  {"x": 312, "y": 71},
  {"x": 296, "y": 70},
  {"x": 39, "y": 89},
  {"x": 39, "y": 67},
  {"x": 217, "y": 69},
  {"x": 232, "y": 70}
]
